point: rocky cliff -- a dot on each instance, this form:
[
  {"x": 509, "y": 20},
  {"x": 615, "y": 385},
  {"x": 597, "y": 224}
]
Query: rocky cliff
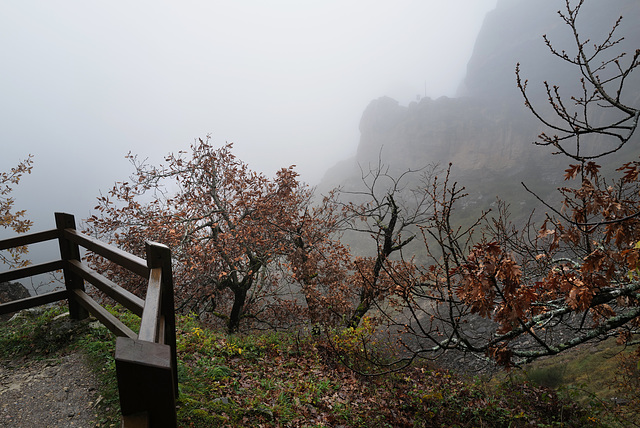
[
  {"x": 486, "y": 132},
  {"x": 10, "y": 291}
]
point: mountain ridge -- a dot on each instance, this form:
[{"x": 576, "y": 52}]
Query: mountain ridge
[{"x": 486, "y": 131}]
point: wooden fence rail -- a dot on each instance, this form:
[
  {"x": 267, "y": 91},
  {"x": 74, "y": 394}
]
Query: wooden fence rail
[{"x": 146, "y": 363}]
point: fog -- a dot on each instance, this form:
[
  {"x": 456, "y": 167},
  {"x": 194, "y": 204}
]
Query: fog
[{"x": 83, "y": 83}]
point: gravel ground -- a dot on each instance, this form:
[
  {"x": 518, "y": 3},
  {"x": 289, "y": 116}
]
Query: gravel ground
[{"x": 57, "y": 392}]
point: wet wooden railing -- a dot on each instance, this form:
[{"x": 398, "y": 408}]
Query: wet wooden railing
[{"x": 146, "y": 363}]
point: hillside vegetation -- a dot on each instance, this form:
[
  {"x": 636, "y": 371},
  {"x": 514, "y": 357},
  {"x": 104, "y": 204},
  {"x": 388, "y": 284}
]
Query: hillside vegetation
[{"x": 297, "y": 380}]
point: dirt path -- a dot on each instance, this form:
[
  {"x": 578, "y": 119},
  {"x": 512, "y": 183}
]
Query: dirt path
[{"x": 53, "y": 393}]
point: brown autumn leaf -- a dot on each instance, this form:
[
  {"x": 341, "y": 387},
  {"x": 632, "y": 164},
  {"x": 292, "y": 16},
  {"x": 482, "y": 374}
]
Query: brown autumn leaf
[{"x": 572, "y": 171}]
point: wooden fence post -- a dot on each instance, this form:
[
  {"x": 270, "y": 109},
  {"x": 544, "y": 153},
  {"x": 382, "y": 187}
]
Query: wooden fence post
[
  {"x": 145, "y": 382},
  {"x": 147, "y": 371},
  {"x": 159, "y": 255},
  {"x": 70, "y": 251}
]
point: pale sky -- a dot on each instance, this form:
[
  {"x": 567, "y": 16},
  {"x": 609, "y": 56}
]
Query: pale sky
[{"x": 84, "y": 82}]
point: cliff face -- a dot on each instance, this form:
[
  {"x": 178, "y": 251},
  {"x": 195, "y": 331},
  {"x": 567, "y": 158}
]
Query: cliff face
[
  {"x": 466, "y": 131},
  {"x": 486, "y": 132},
  {"x": 10, "y": 291},
  {"x": 512, "y": 33}
]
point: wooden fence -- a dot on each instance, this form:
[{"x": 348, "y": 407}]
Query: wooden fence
[{"x": 146, "y": 362}]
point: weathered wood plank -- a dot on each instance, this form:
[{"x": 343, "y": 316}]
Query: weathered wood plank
[
  {"x": 146, "y": 381},
  {"x": 127, "y": 299},
  {"x": 137, "y": 420},
  {"x": 135, "y": 264},
  {"x": 151, "y": 314},
  {"x": 70, "y": 251},
  {"x": 32, "y": 302},
  {"x": 159, "y": 256},
  {"x": 27, "y": 239},
  {"x": 11, "y": 275},
  {"x": 162, "y": 325},
  {"x": 112, "y": 323}
]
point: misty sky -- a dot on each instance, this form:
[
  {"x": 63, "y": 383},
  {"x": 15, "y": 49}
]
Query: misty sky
[{"x": 84, "y": 82}]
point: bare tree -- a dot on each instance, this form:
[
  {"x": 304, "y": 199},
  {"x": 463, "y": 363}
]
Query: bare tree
[
  {"x": 515, "y": 294},
  {"x": 387, "y": 212}
]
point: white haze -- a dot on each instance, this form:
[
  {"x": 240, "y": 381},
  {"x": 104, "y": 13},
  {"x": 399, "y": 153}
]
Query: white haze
[{"x": 84, "y": 82}]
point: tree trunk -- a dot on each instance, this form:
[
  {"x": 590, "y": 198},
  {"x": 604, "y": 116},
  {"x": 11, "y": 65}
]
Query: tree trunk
[
  {"x": 369, "y": 295},
  {"x": 360, "y": 312},
  {"x": 239, "y": 297}
]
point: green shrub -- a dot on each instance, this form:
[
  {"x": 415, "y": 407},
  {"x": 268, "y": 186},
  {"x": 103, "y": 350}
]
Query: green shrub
[{"x": 549, "y": 377}]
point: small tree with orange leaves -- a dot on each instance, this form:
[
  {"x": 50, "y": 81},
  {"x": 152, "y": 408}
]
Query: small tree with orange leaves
[
  {"x": 10, "y": 218},
  {"x": 242, "y": 242}
]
